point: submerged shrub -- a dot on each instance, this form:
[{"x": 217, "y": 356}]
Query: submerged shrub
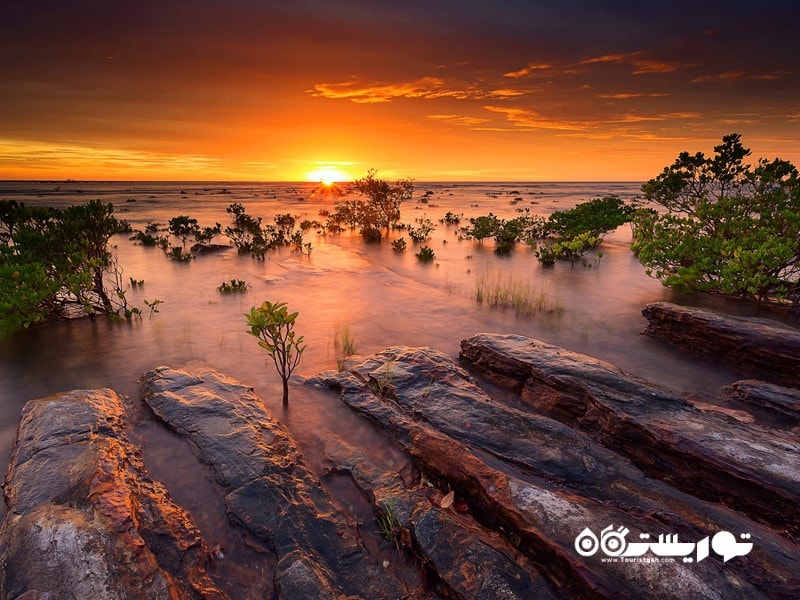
[
  {"x": 595, "y": 217},
  {"x": 371, "y": 234},
  {"x": 235, "y": 286},
  {"x": 249, "y": 236},
  {"x": 506, "y": 233},
  {"x": 399, "y": 245},
  {"x": 425, "y": 254},
  {"x": 383, "y": 199},
  {"x": 451, "y": 218},
  {"x": 423, "y": 232},
  {"x": 481, "y": 227}
]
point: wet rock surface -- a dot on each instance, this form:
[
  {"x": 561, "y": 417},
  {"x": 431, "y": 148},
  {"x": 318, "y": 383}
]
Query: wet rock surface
[
  {"x": 476, "y": 498},
  {"x": 268, "y": 489},
  {"x": 775, "y": 399},
  {"x": 750, "y": 467},
  {"x": 85, "y": 520},
  {"x": 756, "y": 345},
  {"x": 467, "y": 559},
  {"x": 538, "y": 482}
]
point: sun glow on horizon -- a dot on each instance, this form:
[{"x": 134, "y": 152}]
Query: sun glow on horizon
[{"x": 328, "y": 175}]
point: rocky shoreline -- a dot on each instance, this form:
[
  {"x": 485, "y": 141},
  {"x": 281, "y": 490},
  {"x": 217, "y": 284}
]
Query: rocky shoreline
[{"x": 503, "y": 491}]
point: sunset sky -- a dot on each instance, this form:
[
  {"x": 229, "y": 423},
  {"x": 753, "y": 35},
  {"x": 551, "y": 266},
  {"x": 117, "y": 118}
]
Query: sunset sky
[{"x": 434, "y": 90}]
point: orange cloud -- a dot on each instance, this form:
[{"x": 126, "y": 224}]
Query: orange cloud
[
  {"x": 642, "y": 64},
  {"x": 458, "y": 119},
  {"x": 425, "y": 87},
  {"x": 631, "y": 118},
  {"x": 31, "y": 157},
  {"x": 527, "y": 70},
  {"x": 529, "y": 119},
  {"x": 626, "y": 96}
]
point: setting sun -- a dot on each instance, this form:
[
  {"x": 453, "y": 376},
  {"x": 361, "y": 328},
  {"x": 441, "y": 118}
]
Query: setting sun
[{"x": 327, "y": 175}]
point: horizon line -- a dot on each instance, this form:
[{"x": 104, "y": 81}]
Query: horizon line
[{"x": 300, "y": 181}]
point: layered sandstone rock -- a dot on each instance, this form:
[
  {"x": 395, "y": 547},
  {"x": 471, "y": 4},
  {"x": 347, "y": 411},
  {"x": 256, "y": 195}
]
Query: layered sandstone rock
[
  {"x": 84, "y": 518},
  {"x": 758, "y": 346},
  {"x": 268, "y": 489},
  {"x": 539, "y": 482}
]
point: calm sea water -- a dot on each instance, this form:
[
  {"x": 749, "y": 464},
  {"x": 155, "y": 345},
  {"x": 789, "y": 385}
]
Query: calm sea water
[{"x": 384, "y": 298}]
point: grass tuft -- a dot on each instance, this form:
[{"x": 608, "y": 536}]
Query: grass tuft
[{"x": 498, "y": 292}]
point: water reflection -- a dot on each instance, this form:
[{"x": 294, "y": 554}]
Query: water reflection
[{"x": 386, "y": 298}]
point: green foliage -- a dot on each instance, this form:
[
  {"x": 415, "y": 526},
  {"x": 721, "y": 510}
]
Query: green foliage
[
  {"x": 203, "y": 237},
  {"x": 344, "y": 345},
  {"x": 423, "y": 232},
  {"x": 183, "y": 227},
  {"x": 450, "y": 218},
  {"x": 56, "y": 264},
  {"x": 729, "y": 228},
  {"x": 26, "y": 293},
  {"x": 251, "y": 237},
  {"x": 371, "y": 234},
  {"x": 245, "y": 233},
  {"x": 425, "y": 254},
  {"x": 546, "y": 254},
  {"x": 571, "y": 249},
  {"x": 273, "y": 325},
  {"x": 389, "y": 523},
  {"x": 178, "y": 254},
  {"x": 482, "y": 227},
  {"x": 236, "y": 286},
  {"x": 520, "y": 229},
  {"x": 153, "y": 305},
  {"x": 576, "y": 231},
  {"x": 399, "y": 245},
  {"x": 595, "y": 217},
  {"x": 506, "y": 233},
  {"x": 352, "y": 213}
]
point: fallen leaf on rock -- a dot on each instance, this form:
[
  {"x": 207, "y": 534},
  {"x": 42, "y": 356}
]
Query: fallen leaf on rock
[{"x": 448, "y": 499}]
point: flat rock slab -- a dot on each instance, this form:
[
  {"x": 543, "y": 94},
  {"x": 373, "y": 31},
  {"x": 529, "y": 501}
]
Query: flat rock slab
[
  {"x": 269, "y": 491},
  {"x": 482, "y": 449},
  {"x": 85, "y": 520},
  {"x": 780, "y": 401},
  {"x": 749, "y": 467},
  {"x": 752, "y": 345}
]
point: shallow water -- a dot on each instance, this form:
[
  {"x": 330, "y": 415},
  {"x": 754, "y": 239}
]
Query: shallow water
[{"x": 385, "y": 298}]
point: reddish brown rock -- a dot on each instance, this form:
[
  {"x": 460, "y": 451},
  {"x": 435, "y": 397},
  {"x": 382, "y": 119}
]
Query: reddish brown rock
[
  {"x": 758, "y": 346},
  {"x": 775, "y": 399},
  {"x": 541, "y": 482},
  {"x": 268, "y": 489},
  {"x": 470, "y": 561},
  {"x": 747, "y": 466},
  {"x": 85, "y": 520}
]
